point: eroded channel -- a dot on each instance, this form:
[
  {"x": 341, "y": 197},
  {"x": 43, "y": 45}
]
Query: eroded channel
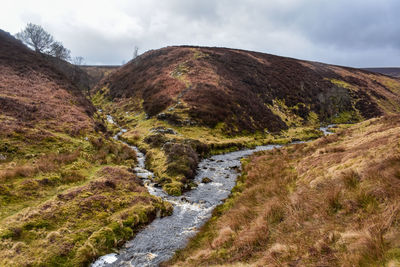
[{"x": 160, "y": 239}]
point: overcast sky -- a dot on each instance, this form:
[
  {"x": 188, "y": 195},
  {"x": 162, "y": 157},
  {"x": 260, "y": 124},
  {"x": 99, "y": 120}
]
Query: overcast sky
[{"x": 359, "y": 33}]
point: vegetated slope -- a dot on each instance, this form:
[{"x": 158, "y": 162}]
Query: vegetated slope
[
  {"x": 394, "y": 72},
  {"x": 248, "y": 91},
  {"x": 66, "y": 193},
  {"x": 181, "y": 103},
  {"x": 97, "y": 73},
  {"x": 74, "y": 73},
  {"x": 331, "y": 202},
  {"x": 34, "y": 94}
]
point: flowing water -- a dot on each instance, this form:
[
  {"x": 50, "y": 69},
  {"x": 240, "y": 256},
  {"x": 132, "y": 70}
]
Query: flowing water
[{"x": 159, "y": 240}]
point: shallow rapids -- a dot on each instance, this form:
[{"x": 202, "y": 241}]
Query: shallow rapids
[{"x": 160, "y": 239}]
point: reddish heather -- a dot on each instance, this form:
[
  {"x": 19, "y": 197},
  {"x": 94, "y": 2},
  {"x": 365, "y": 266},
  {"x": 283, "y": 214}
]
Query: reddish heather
[
  {"x": 235, "y": 87},
  {"x": 34, "y": 93}
]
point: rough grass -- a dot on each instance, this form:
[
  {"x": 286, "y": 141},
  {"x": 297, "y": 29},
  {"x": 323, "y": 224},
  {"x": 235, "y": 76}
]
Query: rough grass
[
  {"x": 66, "y": 193},
  {"x": 79, "y": 224},
  {"x": 175, "y": 172},
  {"x": 65, "y": 200},
  {"x": 331, "y": 202},
  {"x": 260, "y": 99}
]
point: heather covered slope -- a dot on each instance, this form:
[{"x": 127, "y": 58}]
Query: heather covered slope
[
  {"x": 394, "y": 72},
  {"x": 182, "y": 103},
  {"x": 248, "y": 91},
  {"x": 66, "y": 192},
  {"x": 97, "y": 73},
  {"x": 331, "y": 202},
  {"x": 34, "y": 93}
]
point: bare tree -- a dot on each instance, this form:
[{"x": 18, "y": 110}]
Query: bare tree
[
  {"x": 35, "y": 37},
  {"x": 78, "y": 61},
  {"x": 59, "y": 51}
]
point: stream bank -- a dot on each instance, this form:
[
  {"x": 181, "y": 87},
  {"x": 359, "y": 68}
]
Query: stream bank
[{"x": 156, "y": 243}]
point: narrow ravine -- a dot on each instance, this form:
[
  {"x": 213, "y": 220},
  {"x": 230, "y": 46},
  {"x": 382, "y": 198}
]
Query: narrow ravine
[{"x": 159, "y": 240}]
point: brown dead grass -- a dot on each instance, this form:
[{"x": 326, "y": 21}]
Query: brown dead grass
[
  {"x": 301, "y": 207},
  {"x": 47, "y": 163},
  {"x": 79, "y": 224},
  {"x": 33, "y": 93}
]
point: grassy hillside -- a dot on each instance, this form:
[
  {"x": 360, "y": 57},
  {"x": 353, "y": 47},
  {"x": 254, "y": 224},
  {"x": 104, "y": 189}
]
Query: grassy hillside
[
  {"x": 212, "y": 100},
  {"x": 66, "y": 192},
  {"x": 331, "y": 202}
]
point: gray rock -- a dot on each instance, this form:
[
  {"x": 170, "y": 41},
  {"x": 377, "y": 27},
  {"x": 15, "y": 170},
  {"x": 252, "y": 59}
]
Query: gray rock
[
  {"x": 206, "y": 180},
  {"x": 163, "y": 130},
  {"x": 2, "y": 157}
]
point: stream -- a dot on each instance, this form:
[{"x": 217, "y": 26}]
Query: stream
[{"x": 158, "y": 241}]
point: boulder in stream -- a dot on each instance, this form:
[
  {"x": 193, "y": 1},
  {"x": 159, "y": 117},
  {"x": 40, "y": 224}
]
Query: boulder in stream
[{"x": 206, "y": 180}]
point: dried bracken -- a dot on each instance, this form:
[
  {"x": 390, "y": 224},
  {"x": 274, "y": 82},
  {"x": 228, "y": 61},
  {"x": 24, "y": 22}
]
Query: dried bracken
[{"x": 298, "y": 207}]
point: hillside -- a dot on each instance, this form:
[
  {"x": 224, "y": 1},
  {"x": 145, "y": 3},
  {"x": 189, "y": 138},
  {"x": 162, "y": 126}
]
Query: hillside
[
  {"x": 248, "y": 91},
  {"x": 331, "y": 202},
  {"x": 183, "y": 103},
  {"x": 66, "y": 192},
  {"x": 34, "y": 92},
  {"x": 80, "y": 78},
  {"x": 69, "y": 192},
  {"x": 97, "y": 73},
  {"x": 394, "y": 72}
]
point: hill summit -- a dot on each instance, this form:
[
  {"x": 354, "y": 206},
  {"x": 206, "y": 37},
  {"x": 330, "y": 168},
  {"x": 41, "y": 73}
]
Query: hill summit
[{"x": 248, "y": 91}]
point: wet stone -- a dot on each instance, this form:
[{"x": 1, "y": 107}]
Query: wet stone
[
  {"x": 235, "y": 168},
  {"x": 206, "y": 180},
  {"x": 163, "y": 130}
]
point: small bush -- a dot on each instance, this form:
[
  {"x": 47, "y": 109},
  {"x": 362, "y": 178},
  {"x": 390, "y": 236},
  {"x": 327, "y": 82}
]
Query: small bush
[
  {"x": 26, "y": 170},
  {"x": 334, "y": 204},
  {"x": 276, "y": 214},
  {"x": 351, "y": 179},
  {"x": 156, "y": 140},
  {"x": 367, "y": 201},
  {"x": 173, "y": 189},
  {"x": 71, "y": 176}
]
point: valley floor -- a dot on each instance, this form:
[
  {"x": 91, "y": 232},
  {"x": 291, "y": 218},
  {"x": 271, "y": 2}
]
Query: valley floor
[{"x": 332, "y": 202}]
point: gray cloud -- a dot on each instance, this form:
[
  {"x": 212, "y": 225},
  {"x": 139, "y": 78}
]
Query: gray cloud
[
  {"x": 353, "y": 24},
  {"x": 356, "y": 33}
]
